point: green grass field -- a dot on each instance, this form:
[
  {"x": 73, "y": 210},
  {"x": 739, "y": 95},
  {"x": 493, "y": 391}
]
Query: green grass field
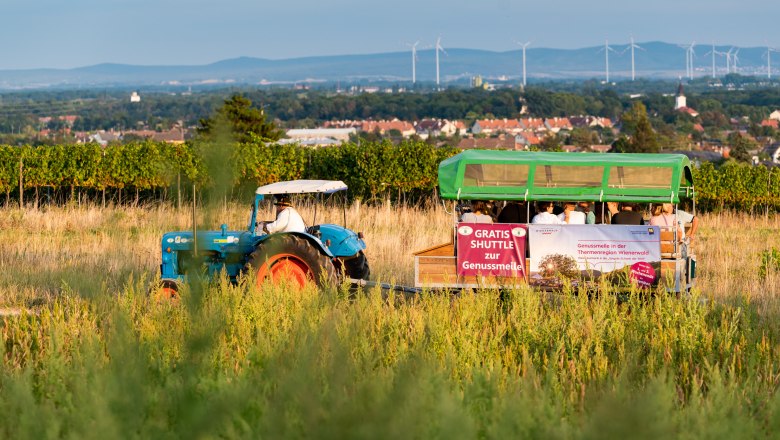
[{"x": 88, "y": 354}]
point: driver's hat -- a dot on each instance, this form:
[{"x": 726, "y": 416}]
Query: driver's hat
[{"x": 282, "y": 200}]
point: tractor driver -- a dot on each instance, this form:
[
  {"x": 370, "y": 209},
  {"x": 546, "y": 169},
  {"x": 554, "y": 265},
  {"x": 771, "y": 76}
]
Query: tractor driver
[{"x": 287, "y": 218}]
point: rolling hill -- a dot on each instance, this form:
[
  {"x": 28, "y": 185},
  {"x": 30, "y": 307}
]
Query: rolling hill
[{"x": 655, "y": 60}]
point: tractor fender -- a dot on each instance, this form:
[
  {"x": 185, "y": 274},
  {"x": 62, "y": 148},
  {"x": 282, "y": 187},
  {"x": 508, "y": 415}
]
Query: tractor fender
[
  {"x": 341, "y": 241},
  {"x": 314, "y": 241}
]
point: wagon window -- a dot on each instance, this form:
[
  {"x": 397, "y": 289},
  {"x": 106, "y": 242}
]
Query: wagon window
[
  {"x": 495, "y": 174},
  {"x": 686, "y": 178},
  {"x": 567, "y": 176},
  {"x": 640, "y": 177}
]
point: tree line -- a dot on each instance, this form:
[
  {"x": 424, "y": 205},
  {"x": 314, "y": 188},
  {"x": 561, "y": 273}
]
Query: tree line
[
  {"x": 19, "y": 113},
  {"x": 149, "y": 171}
]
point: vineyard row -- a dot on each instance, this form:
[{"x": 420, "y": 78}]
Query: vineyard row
[{"x": 371, "y": 170}]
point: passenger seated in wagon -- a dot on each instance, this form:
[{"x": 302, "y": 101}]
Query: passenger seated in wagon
[
  {"x": 663, "y": 215},
  {"x": 514, "y": 212},
  {"x": 683, "y": 218},
  {"x": 478, "y": 213},
  {"x": 628, "y": 215},
  {"x": 545, "y": 214},
  {"x": 570, "y": 215},
  {"x": 587, "y": 209}
]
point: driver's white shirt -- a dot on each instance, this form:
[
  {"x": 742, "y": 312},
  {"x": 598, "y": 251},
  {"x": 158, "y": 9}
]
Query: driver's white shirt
[{"x": 287, "y": 221}]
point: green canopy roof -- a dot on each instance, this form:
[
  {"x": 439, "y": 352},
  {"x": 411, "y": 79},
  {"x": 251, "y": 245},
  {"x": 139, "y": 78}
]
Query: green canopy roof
[{"x": 525, "y": 175}]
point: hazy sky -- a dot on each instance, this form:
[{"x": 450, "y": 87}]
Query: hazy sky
[{"x": 74, "y": 33}]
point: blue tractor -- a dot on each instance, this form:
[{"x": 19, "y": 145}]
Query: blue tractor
[{"x": 324, "y": 254}]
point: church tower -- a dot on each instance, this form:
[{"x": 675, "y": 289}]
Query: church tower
[{"x": 679, "y": 98}]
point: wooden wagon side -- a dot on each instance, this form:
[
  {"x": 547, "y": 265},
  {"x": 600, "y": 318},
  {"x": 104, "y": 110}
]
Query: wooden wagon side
[
  {"x": 677, "y": 260},
  {"x": 436, "y": 267}
]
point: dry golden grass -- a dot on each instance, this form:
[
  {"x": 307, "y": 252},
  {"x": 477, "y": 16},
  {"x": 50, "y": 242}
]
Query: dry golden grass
[
  {"x": 277, "y": 363},
  {"x": 45, "y": 251}
]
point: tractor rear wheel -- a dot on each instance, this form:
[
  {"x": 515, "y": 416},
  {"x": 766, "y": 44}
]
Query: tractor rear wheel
[
  {"x": 291, "y": 258},
  {"x": 165, "y": 291},
  {"x": 357, "y": 267}
]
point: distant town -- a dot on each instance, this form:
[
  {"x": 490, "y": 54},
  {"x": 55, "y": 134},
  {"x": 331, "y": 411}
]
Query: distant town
[{"x": 570, "y": 133}]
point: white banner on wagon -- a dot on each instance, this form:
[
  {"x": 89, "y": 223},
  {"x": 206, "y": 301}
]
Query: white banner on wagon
[{"x": 572, "y": 251}]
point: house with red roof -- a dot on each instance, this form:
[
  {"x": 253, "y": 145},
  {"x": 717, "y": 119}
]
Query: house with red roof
[
  {"x": 600, "y": 148},
  {"x": 773, "y": 151},
  {"x": 496, "y": 143},
  {"x": 590, "y": 122},
  {"x": 437, "y": 127},
  {"x": 491, "y": 126},
  {"x": 693, "y": 113},
  {"x": 176, "y": 136},
  {"x": 557, "y": 124},
  {"x": 384, "y": 127},
  {"x": 535, "y": 124},
  {"x": 528, "y": 138},
  {"x": 346, "y": 123},
  {"x": 571, "y": 148},
  {"x": 69, "y": 119}
]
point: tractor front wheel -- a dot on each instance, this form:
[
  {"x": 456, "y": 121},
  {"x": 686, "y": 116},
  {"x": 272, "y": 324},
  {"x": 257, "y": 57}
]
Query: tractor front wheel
[
  {"x": 357, "y": 266},
  {"x": 292, "y": 259}
]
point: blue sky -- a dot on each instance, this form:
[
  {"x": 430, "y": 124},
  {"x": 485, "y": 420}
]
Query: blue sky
[{"x": 73, "y": 33}]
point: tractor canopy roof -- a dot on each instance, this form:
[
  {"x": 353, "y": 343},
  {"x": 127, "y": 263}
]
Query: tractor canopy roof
[
  {"x": 524, "y": 175},
  {"x": 302, "y": 187}
]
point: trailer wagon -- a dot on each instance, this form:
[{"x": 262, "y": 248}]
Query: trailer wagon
[{"x": 550, "y": 255}]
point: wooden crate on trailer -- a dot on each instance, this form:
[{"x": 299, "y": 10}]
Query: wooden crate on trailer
[
  {"x": 437, "y": 267},
  {"x": 674, "y": 264}
]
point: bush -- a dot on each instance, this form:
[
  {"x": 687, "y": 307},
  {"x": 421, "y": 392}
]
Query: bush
[{"x": 770, "y": 262}]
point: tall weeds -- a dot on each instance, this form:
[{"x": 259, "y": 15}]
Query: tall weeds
[
  {"x": 241, "y": 362},
  {"x": 91, "y": 355}
]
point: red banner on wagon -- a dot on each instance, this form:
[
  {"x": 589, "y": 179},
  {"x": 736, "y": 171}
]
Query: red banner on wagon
[{"x": 496, "y": 250}]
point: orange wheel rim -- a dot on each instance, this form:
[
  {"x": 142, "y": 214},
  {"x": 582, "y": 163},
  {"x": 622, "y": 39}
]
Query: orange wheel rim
[
  {"x": 167, "y": 294},
  {"x": 284, "y": 267}
]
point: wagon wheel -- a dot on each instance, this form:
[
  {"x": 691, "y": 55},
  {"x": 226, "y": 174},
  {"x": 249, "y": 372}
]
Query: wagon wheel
[{"x": 292, "y": 258}]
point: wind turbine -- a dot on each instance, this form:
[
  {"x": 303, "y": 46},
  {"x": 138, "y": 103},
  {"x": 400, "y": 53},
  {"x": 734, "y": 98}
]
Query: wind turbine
[
  {"x": 689, "y": 53},
  {"x": 632, "y": 46},
  {"x": 606, "y": 50},
  {"x": 768, "y": 55},
  {"x": 687, "y": 60},
  {"x": 414, "y": 60},
  {"x": 523, "y": 45},
  {"x": 728, "y": 61},
  {"x": 734, "y": 60},
  {"x": 437, "y": 49},
  {"x": 713, "y": 52}
]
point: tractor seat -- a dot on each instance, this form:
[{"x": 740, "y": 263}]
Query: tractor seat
[{"x": 314, "y": 230}]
